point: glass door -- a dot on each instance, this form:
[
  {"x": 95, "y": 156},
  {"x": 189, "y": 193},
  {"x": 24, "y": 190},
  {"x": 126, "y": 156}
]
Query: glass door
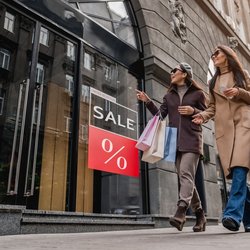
[
  {"x": 36, "y": 94},
  {"x": 16, "y": 46}
]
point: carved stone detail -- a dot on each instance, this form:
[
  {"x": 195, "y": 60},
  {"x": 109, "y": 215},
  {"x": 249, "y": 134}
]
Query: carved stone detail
[
  {"x": 60, "y": 39},
  {"x": 178, "y": 23},
  {"x": 26, "y": 23},
  {"x": 233, "y": 42}
]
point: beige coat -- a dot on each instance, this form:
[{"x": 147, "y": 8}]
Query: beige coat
[{"x": 232, "y": 124}]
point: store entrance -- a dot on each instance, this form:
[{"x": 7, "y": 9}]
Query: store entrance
[
  {"x": 19, "y": 99},
  {"x": 20, "y": 142},
  {"x": 36, "y": 93}
]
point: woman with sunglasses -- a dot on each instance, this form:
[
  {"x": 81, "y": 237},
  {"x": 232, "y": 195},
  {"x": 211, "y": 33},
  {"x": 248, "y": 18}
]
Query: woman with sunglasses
[
  {"x": 184, "y": 99},
  {"x": 230, "y": 107}
]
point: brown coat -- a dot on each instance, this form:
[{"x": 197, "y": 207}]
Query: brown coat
[
  {"x": 189, "y": 134},
  {"x": 232, "y": 126}
]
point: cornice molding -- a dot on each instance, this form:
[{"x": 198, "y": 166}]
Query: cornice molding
[{"x": 209, "y": 8}]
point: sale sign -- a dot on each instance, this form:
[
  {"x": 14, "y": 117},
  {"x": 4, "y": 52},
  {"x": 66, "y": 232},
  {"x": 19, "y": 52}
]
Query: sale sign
[{"x": 113, "y": 153}]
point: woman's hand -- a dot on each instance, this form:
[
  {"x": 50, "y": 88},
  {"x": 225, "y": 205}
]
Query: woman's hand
[
  {"x": 186, "y": 110},
  {"x": 198, "y": 119},
  {"x": 142, "y": 96},
  {"x": 231, "y": 92}
]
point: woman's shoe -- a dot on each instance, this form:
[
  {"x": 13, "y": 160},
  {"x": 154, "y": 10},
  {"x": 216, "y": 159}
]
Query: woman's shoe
[
  {"x": 247, "y": 229},
  {"x": 201, "y": 221},
  {"x": 230, "y": 224},
  {"x": 179, "y": 218}
]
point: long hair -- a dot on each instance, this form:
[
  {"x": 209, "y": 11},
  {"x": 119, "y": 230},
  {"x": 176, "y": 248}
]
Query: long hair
[{"x": 234, "y": 65}]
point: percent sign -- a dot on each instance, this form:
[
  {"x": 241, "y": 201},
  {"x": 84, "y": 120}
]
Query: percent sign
[{"x": 107, "y": 146}]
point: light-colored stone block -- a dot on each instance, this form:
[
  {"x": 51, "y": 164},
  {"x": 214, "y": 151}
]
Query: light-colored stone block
[{"x": 163, "y": 190}]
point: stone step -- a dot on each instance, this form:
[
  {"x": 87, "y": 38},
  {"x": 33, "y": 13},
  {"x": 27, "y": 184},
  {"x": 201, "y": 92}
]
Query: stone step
[
  {"x": 19, "y": 220},
  {"x": 66, "y": 222}
]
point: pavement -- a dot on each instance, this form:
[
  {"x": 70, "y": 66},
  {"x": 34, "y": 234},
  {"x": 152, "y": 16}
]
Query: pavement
[{"x": 215, "y": 237}]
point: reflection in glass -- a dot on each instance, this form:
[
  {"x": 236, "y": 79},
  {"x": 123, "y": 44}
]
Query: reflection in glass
[
  {"x": 40, "y": 73},
  {"x": 14, "y": 90},
  {"x": 4, "y": 58},
  {"x": 71, "y": 51},
  {"x": 97, "y": 191},
  {"x": 89, "y": 61},
  {"x": 9, "y": 22},
  {"x": 57, "y": 124},
  {"x": 118, "y": 10},
  {"x": 69, "y": 84},
  {"x": 113, "y": 16},
  {"x": 44, "y": 36},
  {"x": 95, "y": 9}
]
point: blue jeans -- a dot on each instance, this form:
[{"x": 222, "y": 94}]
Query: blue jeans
[
  {"x": 238, "y": 205},
  {"x": 246, "y": 216}
]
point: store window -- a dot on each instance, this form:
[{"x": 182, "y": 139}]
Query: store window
[
  {"x": 44, "y": 112},
  {"x": 9, "y": 22},
  {"x": 44, "y": 36},
  {"x": 4, "y": 58},
  {"x": 113, "y": 86},
  {"x": 113, "y": 15}
]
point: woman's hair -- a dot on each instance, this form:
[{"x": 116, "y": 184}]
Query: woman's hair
[
  {"x": 234, "y": 65},
  {"x": 186, "y": 68}
]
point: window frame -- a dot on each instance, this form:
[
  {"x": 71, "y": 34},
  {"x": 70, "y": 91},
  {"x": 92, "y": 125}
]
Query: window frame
[
  {"x": 71, "y": 51},
  {"x": 89, "y": 61},
  {"x": 9, "y": 23},
  {"x": 40, "y": 73},
  {"x": 44, "y": 36},
  {"x": 5, "y": 63},
  {"x": 69, "y": 83}
]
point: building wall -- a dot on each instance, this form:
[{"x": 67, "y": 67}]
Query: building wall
[{"x": 205, "y": 28}]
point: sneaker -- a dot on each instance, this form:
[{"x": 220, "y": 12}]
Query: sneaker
[{"x": 230, "y": 224}]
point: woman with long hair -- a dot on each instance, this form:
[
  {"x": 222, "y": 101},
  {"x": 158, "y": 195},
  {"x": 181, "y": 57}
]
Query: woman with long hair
[
  {"x": 230, "y": 107},
  {"x": 184, "y": 99}
]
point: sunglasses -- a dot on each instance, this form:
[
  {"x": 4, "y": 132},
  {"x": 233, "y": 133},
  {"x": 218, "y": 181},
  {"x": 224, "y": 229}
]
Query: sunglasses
[
  {"x": 173, "y": 71},
  {"x": 216, "y": 53}
]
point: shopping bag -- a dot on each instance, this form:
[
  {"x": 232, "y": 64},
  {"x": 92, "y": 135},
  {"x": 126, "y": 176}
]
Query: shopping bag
[
  {"x": 146, "y": 138},
  {"x": 156, "y": 150},
  {"x": 170, "y": 144}
]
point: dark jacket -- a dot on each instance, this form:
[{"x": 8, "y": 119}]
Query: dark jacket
[{"x": 189, "y": 133}]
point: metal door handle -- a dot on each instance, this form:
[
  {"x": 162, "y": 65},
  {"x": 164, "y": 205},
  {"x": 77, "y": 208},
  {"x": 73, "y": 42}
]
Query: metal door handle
[
  {"x": 11, "y": 191},
  {"x": 29, "y": 189}
]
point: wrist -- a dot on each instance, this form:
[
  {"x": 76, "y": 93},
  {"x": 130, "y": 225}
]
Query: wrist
[{"x": 238, "y": 91}]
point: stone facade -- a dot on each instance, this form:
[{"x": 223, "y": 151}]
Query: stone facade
[{"x": 203, "y": 28}]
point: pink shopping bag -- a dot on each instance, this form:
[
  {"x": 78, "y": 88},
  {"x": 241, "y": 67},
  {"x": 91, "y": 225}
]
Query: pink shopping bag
[
  {"x": 146, "y": 138},
  {"x": 156, "y": 150}
]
